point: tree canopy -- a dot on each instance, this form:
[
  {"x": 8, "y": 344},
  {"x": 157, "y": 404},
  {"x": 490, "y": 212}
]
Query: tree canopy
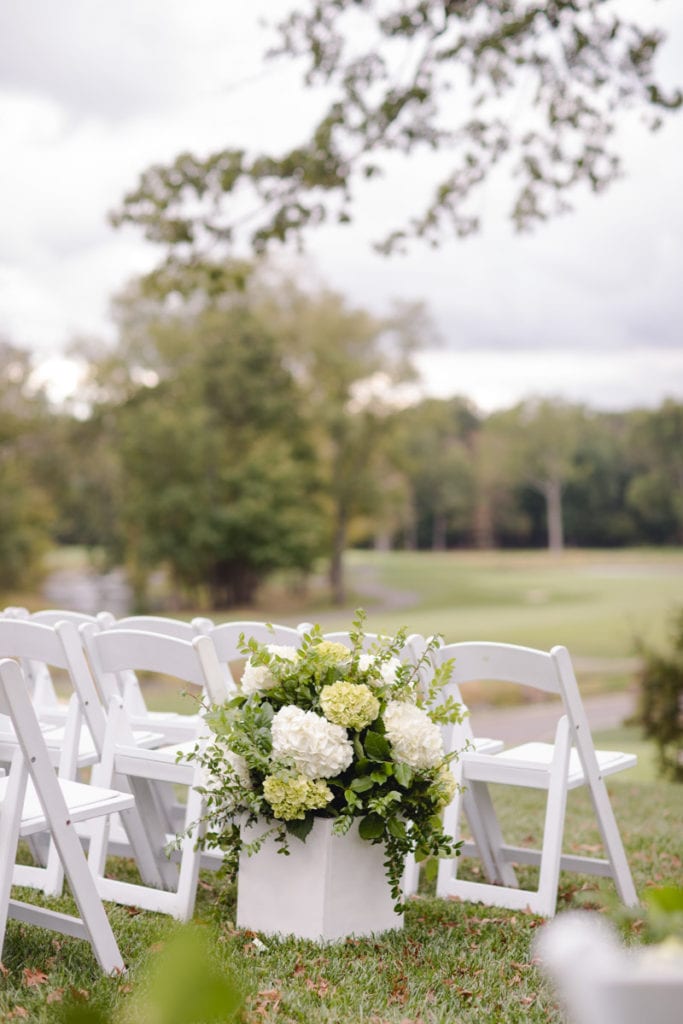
[{"x": 534, "y": 89}]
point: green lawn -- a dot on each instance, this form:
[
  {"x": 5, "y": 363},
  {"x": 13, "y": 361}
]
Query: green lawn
[
  {"x": 453, "y": 962},
  {"x": 594, "y": 602}
]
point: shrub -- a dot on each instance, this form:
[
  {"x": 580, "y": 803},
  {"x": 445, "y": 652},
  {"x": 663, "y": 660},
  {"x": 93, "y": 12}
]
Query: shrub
[{"x": 660, "y": 710}]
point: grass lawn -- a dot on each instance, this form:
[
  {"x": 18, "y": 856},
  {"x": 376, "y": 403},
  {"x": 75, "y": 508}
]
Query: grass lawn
[
  {"x": 594, "y": 602},
  {"x": 453, "y": 962}
]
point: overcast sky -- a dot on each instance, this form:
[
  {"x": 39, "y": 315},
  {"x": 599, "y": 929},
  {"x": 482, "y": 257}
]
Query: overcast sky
[{"x": 92, "y": 91}]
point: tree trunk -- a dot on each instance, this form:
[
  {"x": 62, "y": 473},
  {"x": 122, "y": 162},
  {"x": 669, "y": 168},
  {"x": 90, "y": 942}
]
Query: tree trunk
[
  {"x": 552, "y": 490},
  {"x": 410, "y": 530},
  {"x": 337, "y": 559},
  {"x": 439, "y": 532},
  {"x": 484, "y": 537}
]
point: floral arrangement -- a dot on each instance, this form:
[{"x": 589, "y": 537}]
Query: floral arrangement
[{"x": 334, "y": 731}]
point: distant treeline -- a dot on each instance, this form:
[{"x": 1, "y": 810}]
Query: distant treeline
[{"x": 223, "y": 438}]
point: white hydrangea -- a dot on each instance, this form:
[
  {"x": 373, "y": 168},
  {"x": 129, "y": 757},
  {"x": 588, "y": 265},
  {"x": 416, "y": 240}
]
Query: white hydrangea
[
  {"x": 259, "y": 677},
  {"x": 317, "y": 748},
  {"x": 415, "y": 739},
  {"x": 384, "y": 671}
]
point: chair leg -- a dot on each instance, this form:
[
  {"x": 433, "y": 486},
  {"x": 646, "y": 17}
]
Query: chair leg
[
  {"x": 614, "y": 847},
  {"x": 488, "y": 836},
  {"x": 84, "y": 890},
  {"x": 190, "y": 857},
  {"x": 553, "y": 831},
  {"x": 10, "y": 816}
]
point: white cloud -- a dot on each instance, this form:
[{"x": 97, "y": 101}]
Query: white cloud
[
  {"x": 92, "y": 92},
  {"x": 607, "y": 381}
]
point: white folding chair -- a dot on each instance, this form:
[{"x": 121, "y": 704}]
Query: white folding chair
[
  {"x": 173, "y": 725},
  {"x": 45, "y": 699},
  {"x": 570, "y": 762},
  {"x": 226, "y": 641},
  {"x": 33, "y": 799},
  {"x": 146, "y": 772},
  {"x": 80, "y": 741}
]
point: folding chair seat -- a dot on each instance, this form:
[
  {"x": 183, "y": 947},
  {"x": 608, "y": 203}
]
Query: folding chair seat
[
  {"x": 570, "y": 762},
  {"x": 33, "y": 799},
  {"x": 148, "y": 772}
]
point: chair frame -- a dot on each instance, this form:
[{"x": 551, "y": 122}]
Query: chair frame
[
  {"x": 571, "y": 761},
  {"x": 147, "y": 772},
  {"x": 31, "y": 761}
]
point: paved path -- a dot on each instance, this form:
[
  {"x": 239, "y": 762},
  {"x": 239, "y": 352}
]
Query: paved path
[{"x": 537, "y": 721}]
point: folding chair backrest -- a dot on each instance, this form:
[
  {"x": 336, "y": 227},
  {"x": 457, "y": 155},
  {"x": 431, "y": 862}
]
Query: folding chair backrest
[
  {"x": 112, "y": 652},
  {"x": 226, "y": 639},
  {"x": 486, "y": 661},
  {"x": 167, "y": 626},
  {"x": 37, "y": 672},
  {"x": 51, "y": 616},
  {"x": 57, "y": 647}
]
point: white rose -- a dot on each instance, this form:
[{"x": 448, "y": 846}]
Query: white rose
[
  {"x": 388, "y": 670},
  {"x": 259, "y": 677},
  {"x": 415, "y": 739},
  {"x": 283, "y": 651},
  {"x": 317, "y": 748},
  {"x": 366, "y": 662},
  {"x": 380, "y": 671}
]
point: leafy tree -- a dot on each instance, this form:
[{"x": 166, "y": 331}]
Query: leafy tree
[
  {"x": 655, "y": 493},
  {"x": 660, "y": 705},
  {"x": 595, "y": 496},
  {"x": 534, "y": 444},
  {"x": 25, "y": 511},
  {"x": 412, "y": 76},
  {"x": 433, "y": 449},
  {"x": 346, "y": 363},
  {"x": 218, "y": 477}
]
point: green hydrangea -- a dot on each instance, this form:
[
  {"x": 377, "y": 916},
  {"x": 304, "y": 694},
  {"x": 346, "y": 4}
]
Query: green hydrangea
[
  {"x": 352, "y": 705},
  {"x": 331, "y": 653},
  {"x": 442, "y": 789},
  {"x": 291, "y": 796}
]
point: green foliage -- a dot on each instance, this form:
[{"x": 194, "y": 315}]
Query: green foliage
[
  {"x": 217, "y": 464},
  {"x": 182, "y": 985},
  {"x": 661, "y": 700},
  {"x": 391, "y": 70},
  {"x": 655, "y": 493},
  {"x": 26, "y": 514},
  {"x": 452, "y": 961},
  {"x": 339, "y": 751}
]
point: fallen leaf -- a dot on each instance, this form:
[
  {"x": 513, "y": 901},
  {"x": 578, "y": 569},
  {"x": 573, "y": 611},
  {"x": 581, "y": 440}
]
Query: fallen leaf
[
  {"x": 321, "y": 988},
  {"x": 32, "y": 976},
  {"x": 55, "y": 996}
]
